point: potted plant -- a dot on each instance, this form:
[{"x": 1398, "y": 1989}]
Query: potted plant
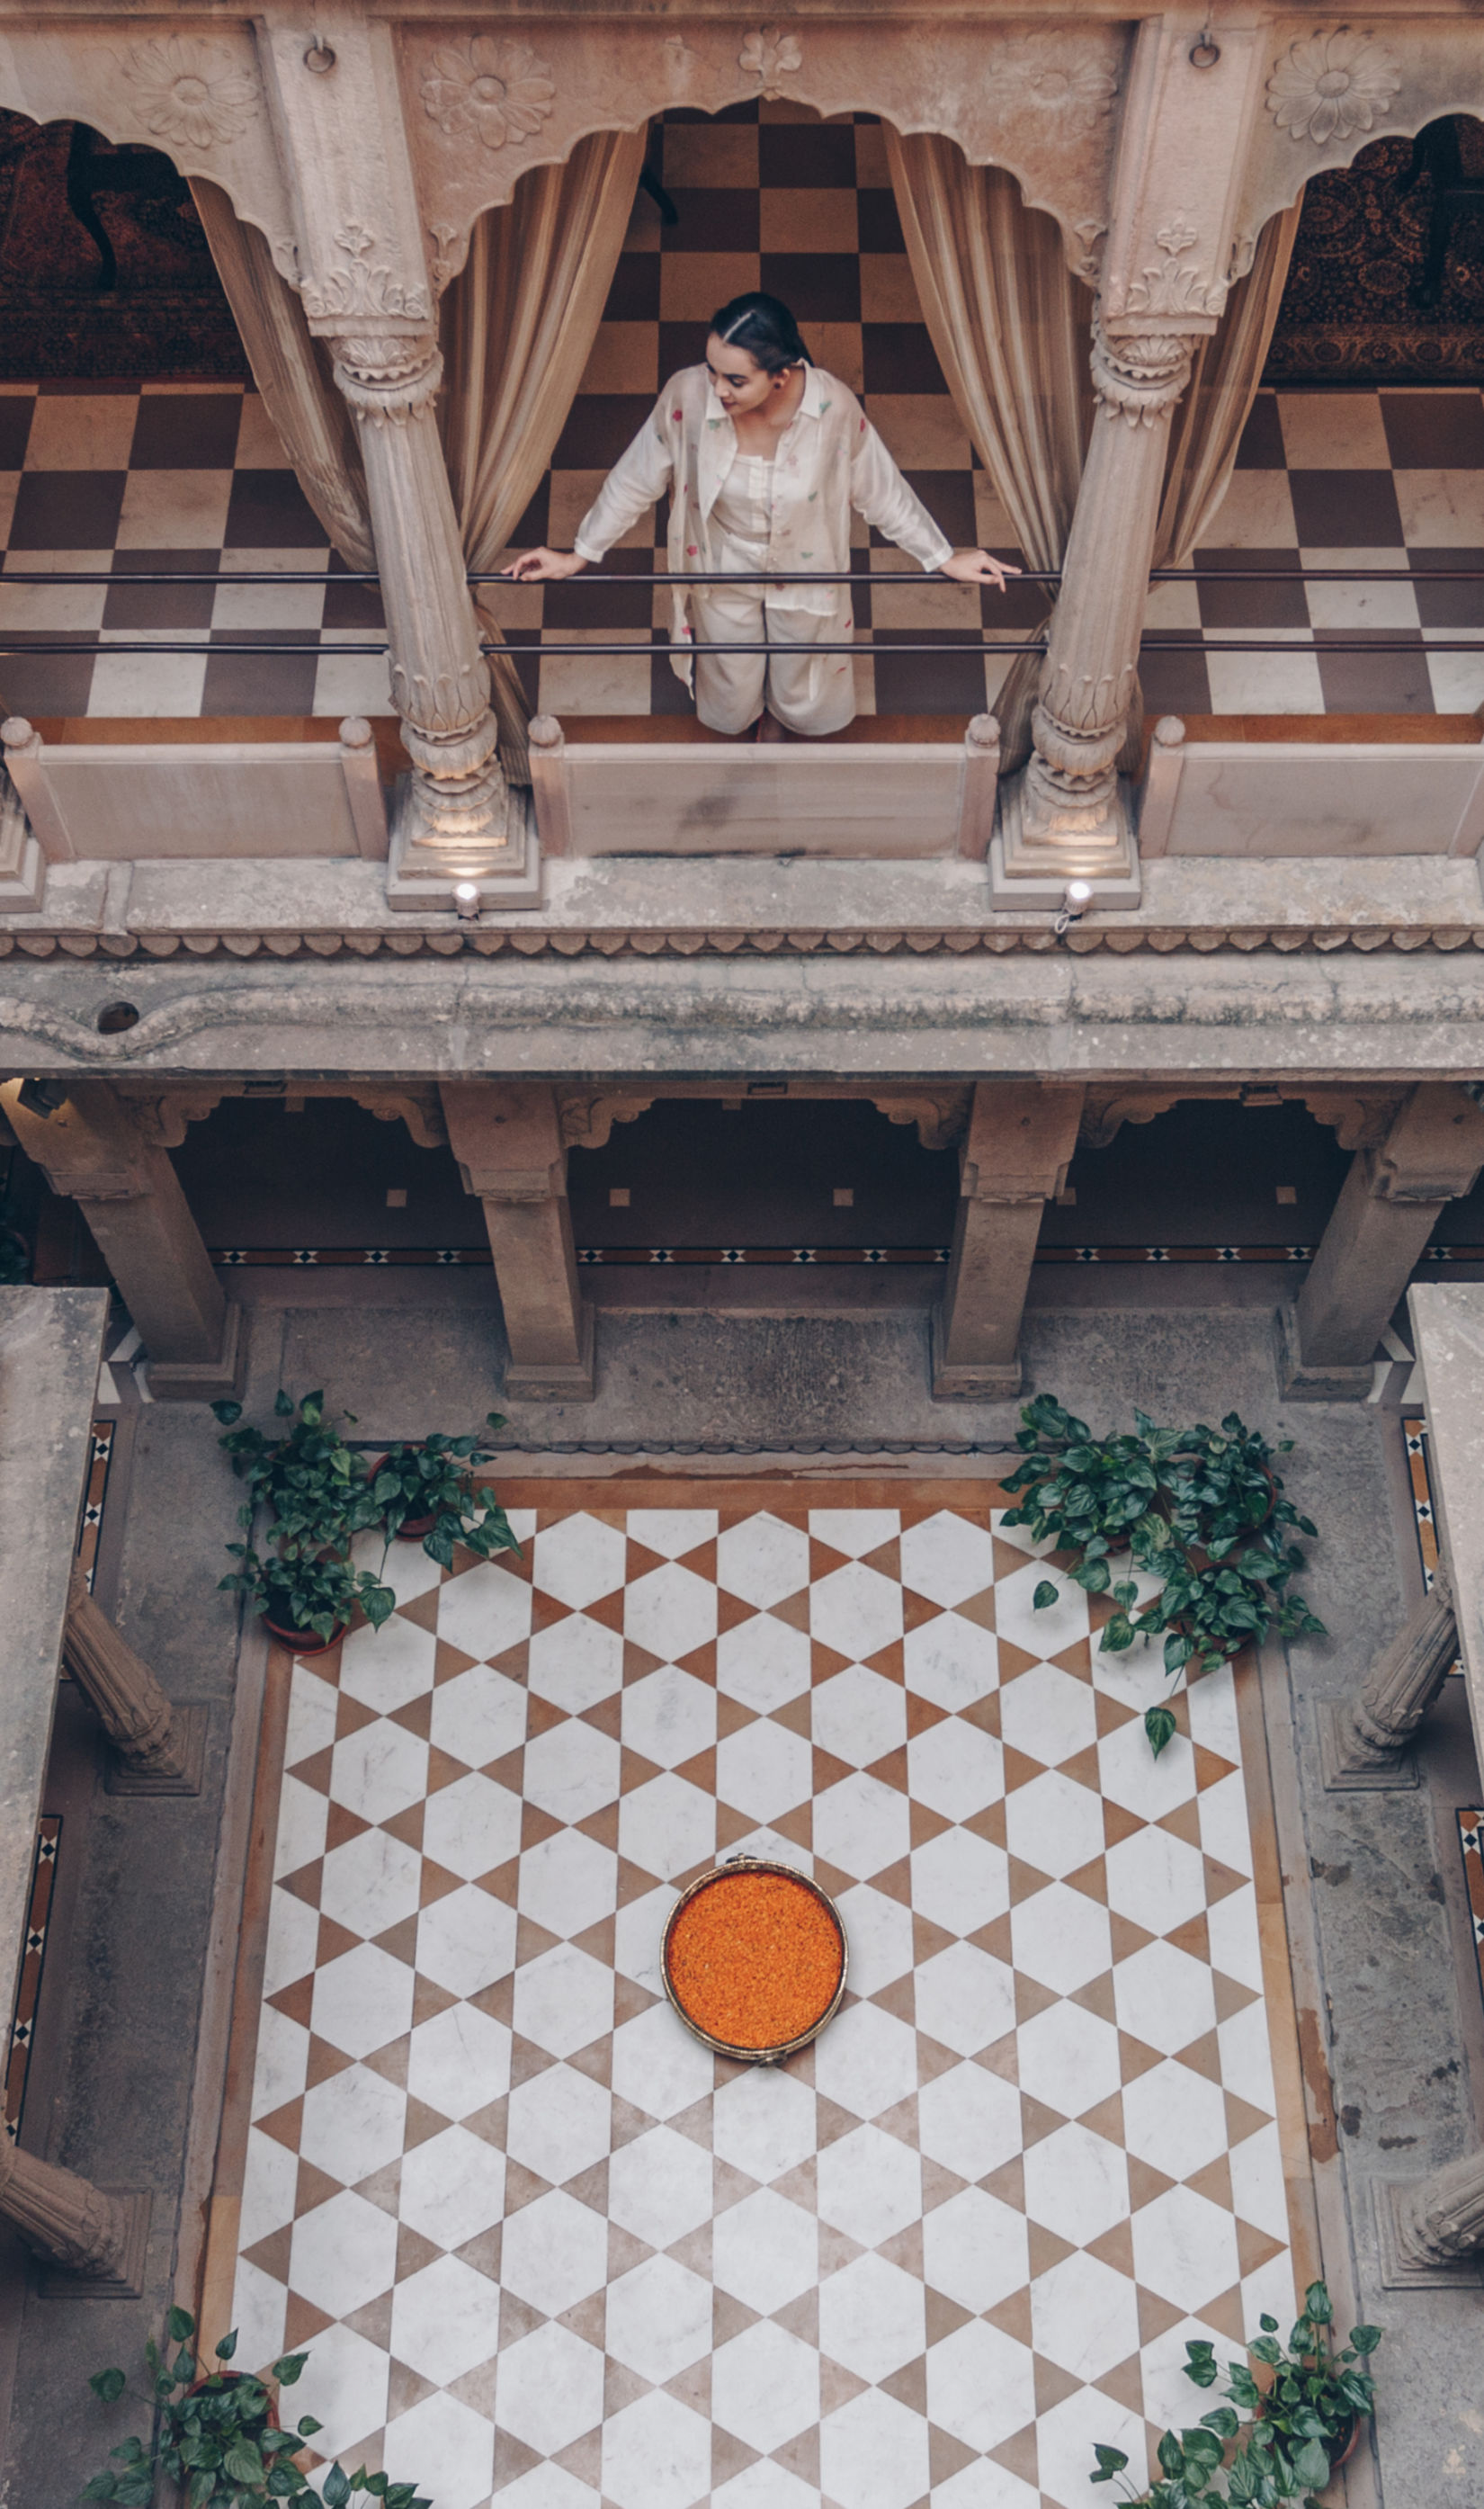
[
  {"x": 427, "y": 1493},
  {"x": 1302, "y": 2424},
  {"x": 317, "y": 1490},
  {"x": 306, "y": 1600},
  {"x": 1200, "y": 1509},
  {"x": 219, "y": 2439}
]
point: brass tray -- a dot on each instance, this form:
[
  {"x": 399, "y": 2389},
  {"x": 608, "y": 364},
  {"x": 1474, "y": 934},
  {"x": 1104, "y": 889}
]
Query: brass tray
[{"x": 720, "y": 1873}]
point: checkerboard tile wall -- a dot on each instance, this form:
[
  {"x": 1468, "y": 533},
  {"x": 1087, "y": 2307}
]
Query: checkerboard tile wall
[
  {"x": 193, "y": 478},
  {"x": 541, "y": 2245}
]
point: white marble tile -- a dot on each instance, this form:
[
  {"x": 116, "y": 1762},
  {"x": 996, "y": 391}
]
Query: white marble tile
[
  {"x": 859, "y": 1716},
  {"x": 564, "y": 1999},
  {"x": 671, "y": 1611},
  {"x": 1068, "y": 2055},
  {"x": 1060, "y": 1939},
  {"x": 667, "y": 1827},
  {"x": 952, "y": 1661},
  {"x": 637, "y": 1934},
  {"x": 658, "y": 2319},
  {"x": 1174, "y": 2118},
  {"x": 1084, "y": 2316},
  {"x": 969, "y": 2119},
  {"x": 763, "y": 2123},
  {"x": 762, "y": 1561},
  {"x": 1065, "y": 2436},
  {"x": 554, "y": 2252},
  {"x": 343, "y": 2384},
  {"x": 485, "y": 1611},
  {"x": 362, "y": 2000},
  {"x": 571, "y": 1771},
  {"x": 763, "y": 1664},
  {"x": 1053, "y": 1824},
  {"x": 658, "y": 2066},
  {"x": 371, "y": 1883},
  {"x": 1185, "y": 2248},
  {"x": 873, "y": 2318},
  {"x": 765, "y": 2251},
  {"x": 765, "y": 2386},
  {"x": 1224, "y": 1830},
  {"x": 1129, "y": 1774},
  {"x": 656, "y": 2455},
  {"x": 575, "y": 1662},
  {"x": 259, "y": 2312},
  {"x": 558, "y": 2123},
  {"x": 1284, "y": 682},
  {"x": 1163, "y": 1997},
  {"x": 976, "y": 2250},
  {"x": 856, "y": 1611},
  {"x": 1257, "y": 2182},
  {"x": 1156, "y": 1879},
  {"x": 1044, "y": 1632},
  {"x": 878, "y": 1935},
  {"x": 548, "y": 2486},
  {"x": 764, "y": 1769},
  {"x": 311, "y": 1713},
  {"x": 955, "y": 1769},
  {"x": 947, "y": 1559},
  {"x": 1076, "y": 2184},
  {"x": 280, "y": 2067},
  {"x": 465, "y": 1941},
  {"x": 873, "y": 2454},
  {"x": 453, "y": 2187},
  {"x": 1255, "y": 513},
  {"x": 380, "y": 1771},
  {"x": 672, "y": 1531},
  {"x": 869, "y": 2186},
  {"x": 1333, "y": 430},
  {"x": 344, "y": 2253},
  {"x": 353, "y": 2124},
  {"x": 458, "y": 2061},
  {"x": 1213, "y": 1713},
  {"x": 1235, "y": 1941},
  {"x": 983, "y": 2484},
  {"x": 293, "y": 1937},
  {"x": 579, "y": 1561},
  {"x": 765, "y": 2485},
  {"x": 854, "y": 1530},
  {"x": 1246, "y": 2065},
  {"x": 1378, "y": 603},
  {"x": 385, "y": 1669},
  {"x": 479, "y": 1715},
  {"x": 471, "y": 1826},
  {"x": 959, "y": 1880},
  {"x": 302, "y": 1813},
  {"x": 567, "y": 1882},
  {"x": 980, "y": 2384},
  {"x": 866, "y": 2061},
  {"x": 267, "y": 2189},
  {"x": 405, "y": 1568},
  {"x": 862, "y": 1825},
  {"x": 965, "y": 1998},
  {"x": 659, "y": 2186},
  {"x": 669, "y": 1717},
  {"x": 446, "y": 2449}
]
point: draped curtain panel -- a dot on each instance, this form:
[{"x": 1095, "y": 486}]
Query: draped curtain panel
[
  {"x": 516, "y": 328},
  {"x": 1012, "y": 330}
]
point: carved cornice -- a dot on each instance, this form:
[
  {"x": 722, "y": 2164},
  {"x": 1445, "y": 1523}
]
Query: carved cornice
[
  {"x": 1357, "y": 1117},
  {"x": 587, "y": 1116}
]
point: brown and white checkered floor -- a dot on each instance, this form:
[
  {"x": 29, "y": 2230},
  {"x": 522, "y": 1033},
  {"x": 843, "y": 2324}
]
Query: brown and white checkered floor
[
  {"x": 192, "y": 477},
  {"x": 542, "y": 2246}
]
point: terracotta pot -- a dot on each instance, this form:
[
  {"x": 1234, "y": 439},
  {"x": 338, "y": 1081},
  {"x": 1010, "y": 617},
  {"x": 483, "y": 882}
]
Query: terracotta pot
[
  {"x": 303, "y": 1641},
  {"x": 414, "y": 1527},
  {"x": 1342, "y": 2455},
  {"x": 231, "y": 2379}
]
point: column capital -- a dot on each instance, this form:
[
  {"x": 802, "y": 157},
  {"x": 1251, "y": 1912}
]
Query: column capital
[
  {"x": 1434, "y": 1148},
  {"x": 388, "y": 377},
  {"x": 1138, "y": 376},
  {"x": 1019, "y": 1140},
  {"x": 506, "y": 1138}
]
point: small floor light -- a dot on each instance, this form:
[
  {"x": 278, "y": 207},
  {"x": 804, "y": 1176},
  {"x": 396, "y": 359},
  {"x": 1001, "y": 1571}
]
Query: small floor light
[
  {"x": 1077, "y": 897},
  {"x": 466, "y": 900}
]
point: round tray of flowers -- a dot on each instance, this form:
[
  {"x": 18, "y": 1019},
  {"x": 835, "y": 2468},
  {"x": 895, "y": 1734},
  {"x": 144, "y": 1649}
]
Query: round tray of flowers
[{"x": 754, "y": 1960}]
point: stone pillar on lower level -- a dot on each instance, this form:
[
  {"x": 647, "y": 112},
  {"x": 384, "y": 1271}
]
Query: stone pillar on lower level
[
  {"x": 1019, "y": 1140},
  {"x": 93, "y": 1148},
  {"x": 1389, "y": 1206},
  {"x": 1363, "y": 1740},
  {"x": 508, "y": 1140},
  {"x": 160, "y": 1747},
  {"x": 69, "y": 2222}
]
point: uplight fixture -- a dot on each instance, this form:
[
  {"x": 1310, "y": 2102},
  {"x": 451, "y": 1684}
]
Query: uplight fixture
[
  {"x": 466, "y": 900},
  {"x": 1076, "y": 898}
]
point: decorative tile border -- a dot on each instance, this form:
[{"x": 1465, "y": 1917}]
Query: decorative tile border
[
  {"x": 1471, "y": 1822},
  {"x": 17, "y": 2052},
  {"x": 90, "y": 1529},
  {"x": 627, "y": 1258}
]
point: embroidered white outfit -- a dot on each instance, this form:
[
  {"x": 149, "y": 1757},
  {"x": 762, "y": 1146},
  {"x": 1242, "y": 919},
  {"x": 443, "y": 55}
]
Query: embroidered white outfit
[{"x": 731, "y": 512}]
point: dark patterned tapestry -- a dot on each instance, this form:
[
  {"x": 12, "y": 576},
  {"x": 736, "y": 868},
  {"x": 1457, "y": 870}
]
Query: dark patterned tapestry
[{"x": 1348, "y": 314}]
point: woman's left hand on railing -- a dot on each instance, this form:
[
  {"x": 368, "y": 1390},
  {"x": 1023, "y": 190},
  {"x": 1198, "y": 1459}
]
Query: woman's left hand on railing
[
  {"x": 977, "y": 566},
  {"x": 545, "y": 566}
]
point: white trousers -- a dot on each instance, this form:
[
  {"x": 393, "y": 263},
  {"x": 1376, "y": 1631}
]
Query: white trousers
[{"x": 807, "y": 692}]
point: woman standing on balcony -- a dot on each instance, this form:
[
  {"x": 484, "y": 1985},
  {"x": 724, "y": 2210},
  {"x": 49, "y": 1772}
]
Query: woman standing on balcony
[{"x": 765, "y": 456}]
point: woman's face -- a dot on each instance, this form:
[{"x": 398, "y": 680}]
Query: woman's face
[{"x": 739, "y": 382}]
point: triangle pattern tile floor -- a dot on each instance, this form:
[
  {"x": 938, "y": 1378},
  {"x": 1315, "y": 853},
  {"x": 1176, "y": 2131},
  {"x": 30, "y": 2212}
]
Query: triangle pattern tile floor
[{"x": 545, "y": 2249}]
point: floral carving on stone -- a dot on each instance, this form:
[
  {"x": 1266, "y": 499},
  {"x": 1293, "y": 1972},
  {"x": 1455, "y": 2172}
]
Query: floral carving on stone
[
  {"x": 1168, "y": 286},
  {"x": 768, "y": 56},
  {"x": 1051, "y": 76},
  {"x": 1329, "y": 86},
  {"x": 359, "y": 286},
  {"x": 496, "y": 90},
  {"x": 192, "y": 93}
]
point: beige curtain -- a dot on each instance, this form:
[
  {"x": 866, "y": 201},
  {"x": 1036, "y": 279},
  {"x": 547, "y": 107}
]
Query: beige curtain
[
  {"x": 292, "y": 373},
  {"x": 1012, "y": 327},
  {"x": 517, "y": 328}
]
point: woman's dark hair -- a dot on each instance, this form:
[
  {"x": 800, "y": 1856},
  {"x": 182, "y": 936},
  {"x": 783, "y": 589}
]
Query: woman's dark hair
[{"x": 765, "y": 327}]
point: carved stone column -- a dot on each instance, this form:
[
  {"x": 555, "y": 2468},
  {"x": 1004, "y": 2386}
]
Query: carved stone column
[
  {"x": 458, "y": 825},
  {"x": 1431, "y": 2232},
  {"x": 160, "y": 1748},
  {"x": 1388, "y": 1209},
  {"x": 1065, "y": 815},
  {"x": 508, "y": 1140},
  {"x": 101, "y": 2239},
  {"x": 1363, "y": 1740},
  {"x": 1019, "y": 1140},
  {"x": 93, "y": 1148}
]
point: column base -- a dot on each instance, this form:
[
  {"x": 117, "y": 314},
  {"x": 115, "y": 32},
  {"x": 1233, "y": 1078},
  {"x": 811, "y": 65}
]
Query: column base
[
  {"x": 127, "y": 2281},
  {"x": 1398, "y": 2269},
  {"x": 1302, "y": 1380},
  {"x": 122, "y": 1779},
  {"x": 572, "y": 1381},
  {"x": 1341, "y": 1776},
  {"x": 969, "y": 1380},
  {"x": 419, "y": 883},
  {"x": 1030, "y": 865},
  {"x": 206, "y": 1380}
]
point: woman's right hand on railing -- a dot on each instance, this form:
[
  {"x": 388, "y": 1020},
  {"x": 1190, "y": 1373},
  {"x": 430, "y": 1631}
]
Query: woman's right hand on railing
[{"x": 545, "y": 566}]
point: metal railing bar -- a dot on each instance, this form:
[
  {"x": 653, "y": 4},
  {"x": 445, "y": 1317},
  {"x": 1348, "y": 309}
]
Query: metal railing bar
[
  {"x": 1161, "y": 574},
  {"x": 1296, "y": 641}
]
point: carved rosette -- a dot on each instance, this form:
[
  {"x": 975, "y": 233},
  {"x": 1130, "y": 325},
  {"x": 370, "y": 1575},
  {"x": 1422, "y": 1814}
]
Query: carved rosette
[
  {"x": 196, "y": 94},
  {"x": 494, "y": 90},
  {"x": 1053, "y": 78},
  {"x": 769, "y": 56},
  {"x": 1332, "y": 87}
]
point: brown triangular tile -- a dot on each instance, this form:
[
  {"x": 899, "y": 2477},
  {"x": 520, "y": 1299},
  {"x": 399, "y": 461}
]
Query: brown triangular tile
[
  {"x": 984, "y": 1715},
  {"x": 271, "y": 2255},
  {"x": 331, "y": 1941},
  {"x": 423, "y": 2122},
  {"x": 1254, "y": 2247},
  {"x": 1017, "y": 2454},
  {"x": 1106, "y": 2118},
  {"x": 1135, "y": 2058},
  {"x": 301, "y": 2322},
  {"x": 830, "y": 2122},
  {"x": 1184, "y": 1822},
  {"x": 693, "y": 2250},
  {"x": 295, "y": 2002},
  {"x": 1221, "y": 1880},
  {"x": 1091, "y": 1880},
  {"x": 583, "y": 2457},
  {"x": 306, "y": 1882},
  {"x": 412, "y": 2251},
  {"x": 1096, "y": 1996},
  {"x": 979, "y": 1610},
  {"x": 1210, "y": 1768},
  {"x": 1203, "y": 2057},
  {"x": 1046, "y": 2249},
  {"x": 1054, "y": 2384},
  {"x": 1031, "y": 1998},
  {"x": 996, "y": 1939},
  {"x": 1020, "y": 1770},
  {"x": 1117, "y": 1823},
  {"x": 608, "y": 1611},
  {"x": 800, "y": 2317},
  {"x": 1126, "y": 1938},
  {"x": 405, "y": 2389},
  {"x": 1145, "y": 2183},
  {"x": 284, "y": 2126},
  {"x": 450, "y": 1661},
  {"x": 595, "y": 2060},
  {"x": 796, "y": 1826},
  {"x": 401, "y": 1941},
  {"x": 730, "y": 2317},
  {"x": 620, "y": 2386},
  {"x": 1214, "y": 2183},
  {"x": 801, "y": 2186},
  {"x": 342, "y": 1825},
  {"x": 944, "y": 2316},
  {"x": 892, "y": 1771},
  {"x": 522, "y": 2186},
  {"x": 894, "y": 1881},
  {"x": 1013, "y": 2316},
  {"x": 325, "y": 2061},
  {"x": 837, "y": 2385},
  {"x": 1124, "y": 2383},
  {"x": 828, "y": 1770},
  {"x": 517, "y": 2319},
  {"x": 922, "y": 1714},
  {"x": 537, "y": 1826},
  {"x": 429, "y": 1998},
  {"x": 383, "y": 2189},
  {"x": 1115, "y": 2248},
  {"x": 415, "y": 1716},
  {"x": 1006, "y": 2184},
  {"x": 940, "y": 2184},
  {"x": 928, "y": 1938},
  {"x": 794, "y": 1614},
  {"x": 546, "y": 1612},
  {"x": 1226, "y": 2313},
  {"x": 730, "y": 2455},
  {"x": 490, "y": 2124},
  {"x": 1230, "y": 1996},
  {"x": 350, "y": 1717},
  {"x": 1243, "y": 2118},
  {"x": 1084, "y": 1769},
  {"x": 908, "y": 2385},
  {"x": 391, "y": 2061},
  {"x": 374, "y": 2321},
  {"x": 1036, "y": 2121},
  {"x": 422, "y": 1610},
  {"x": 514, "y": 2458},
  {"x": 314, "y": 1772},
  {"x": 693, "y": 2386},
  {"x": 836, "y": 2250},
  {"x": 624, "y": 2250},
  {"x": 1156, "y": 2316},
  {"x": 636, "y": 1662}
]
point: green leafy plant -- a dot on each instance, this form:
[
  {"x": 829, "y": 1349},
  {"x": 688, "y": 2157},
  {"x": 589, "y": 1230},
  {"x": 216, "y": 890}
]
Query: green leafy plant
[
  {"x": 317, "y": 1490},
  {"x": 307, "y": 1593},
  {"x": 1200, "y": 1509},
  {"x": 1298, "y": 2423},
  {"x": 217, "y": 2437},
  {"x": 436, "y": 1479}
]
